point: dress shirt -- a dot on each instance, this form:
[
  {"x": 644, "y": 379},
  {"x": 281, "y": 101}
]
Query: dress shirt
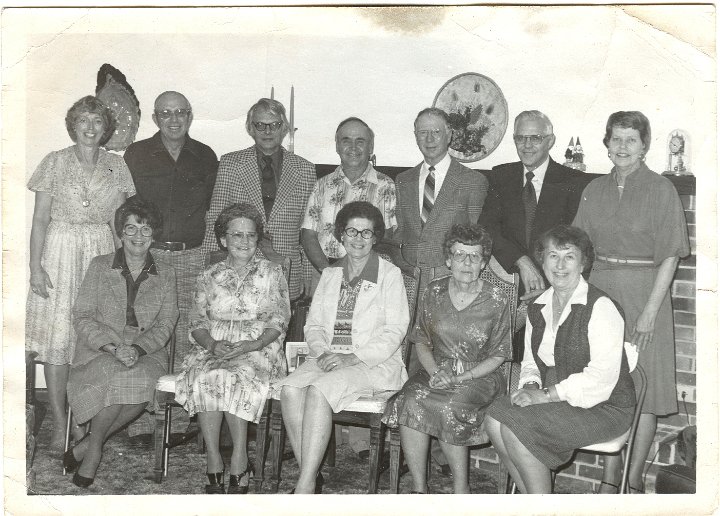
[
  {"x": 539, "y": 173},
  {"x": 605, "y": 335},
  {"x": 441, "y": 169},
  {"x": 180, "y": 189}
]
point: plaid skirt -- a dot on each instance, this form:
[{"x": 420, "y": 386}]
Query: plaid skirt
[{"x": 105, "y": 381}]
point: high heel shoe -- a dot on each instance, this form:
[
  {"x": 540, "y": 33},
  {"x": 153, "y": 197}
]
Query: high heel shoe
[
  {"x": 70, "y": 463},
  {"x": 82, "y": 481},
  {"x": 234, "y": 486},
  {"x": 217, "y": 483}
]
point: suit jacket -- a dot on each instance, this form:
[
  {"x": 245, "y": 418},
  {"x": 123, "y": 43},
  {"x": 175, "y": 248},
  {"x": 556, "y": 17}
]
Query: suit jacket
[
  {"x": 99, "y": 311},
  {"x": 459, "y": 201},
  {"x": 504, "y": 211},
  {"x": 238, "y": 180},
  {"x": 380, "y": 321}
]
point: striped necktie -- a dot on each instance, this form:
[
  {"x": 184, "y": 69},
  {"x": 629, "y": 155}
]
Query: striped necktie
[
  {"x": 530, "y": 202},
  {"x": 428, "y": 195}
]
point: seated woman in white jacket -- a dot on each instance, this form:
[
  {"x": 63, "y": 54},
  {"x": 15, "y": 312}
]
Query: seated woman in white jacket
[{"x": 357, "y": 320}]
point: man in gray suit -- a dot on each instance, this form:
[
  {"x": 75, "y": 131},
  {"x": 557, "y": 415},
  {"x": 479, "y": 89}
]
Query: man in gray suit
[{"x": 433, "y": 196}]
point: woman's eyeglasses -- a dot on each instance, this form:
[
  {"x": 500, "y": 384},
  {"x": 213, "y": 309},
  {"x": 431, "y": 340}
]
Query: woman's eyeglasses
[
  {"x": 461, "y": 256},
  {"x": 131, "y": 230},
  {"x": 240, "y": 235},
  {"x": 367, "y": 234}
]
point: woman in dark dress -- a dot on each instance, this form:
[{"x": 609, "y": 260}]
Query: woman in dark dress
[
  {"x": 462, "y": 337},
  {"x": 576, "y": 385}
]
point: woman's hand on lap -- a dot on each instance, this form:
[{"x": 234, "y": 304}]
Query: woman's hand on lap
[
  {"x": 235, "y": 349},
  {"x": 332, "y": 361},
  {"x": 442, "y": 380},
  {"x": 127, "y": 355},
  {"x": 526, "y": 397},
  {"x": 220, "y": 348}
]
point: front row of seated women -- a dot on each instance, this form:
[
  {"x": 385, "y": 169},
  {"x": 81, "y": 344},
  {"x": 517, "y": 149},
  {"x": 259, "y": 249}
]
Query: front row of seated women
[{"x": 576, "y": 389}]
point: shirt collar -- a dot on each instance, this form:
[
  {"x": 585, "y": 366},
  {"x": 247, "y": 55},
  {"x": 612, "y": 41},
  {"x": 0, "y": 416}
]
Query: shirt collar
[
  {"x": 441, "y": 167},
  {"x": 578, "y": 297},
  {"x": 120, "y": 263},
  {"x": 190, "y": 145},
  {"x": 635, "y": 176},
  {"x": 369, "y": 272},
  {"x": 370, "y": 174},
  {"x": 540, "y": 171}
]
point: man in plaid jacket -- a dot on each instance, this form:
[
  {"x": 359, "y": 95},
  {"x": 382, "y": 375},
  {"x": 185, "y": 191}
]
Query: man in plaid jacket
[{"x": 275, "y": 181}]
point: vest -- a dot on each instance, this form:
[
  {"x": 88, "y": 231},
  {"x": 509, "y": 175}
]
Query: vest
[{"x": 572, "y": 348}]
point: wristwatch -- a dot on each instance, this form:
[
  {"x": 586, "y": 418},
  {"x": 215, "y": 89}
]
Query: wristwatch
[
  {"x": 547, "y": 392},
  {"x": 532, "y": 384}
]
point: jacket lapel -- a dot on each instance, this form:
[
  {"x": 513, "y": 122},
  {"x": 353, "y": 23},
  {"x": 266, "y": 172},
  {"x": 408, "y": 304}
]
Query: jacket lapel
[
  {"x": 551, "y": 196},
  {"x": 249, "y": 180},
  {"x": 118, "y": 287},
  {"x": 284, "y": 192},
  {"x": 414, "y": 196},
  {"x": 446, "y": 195}
]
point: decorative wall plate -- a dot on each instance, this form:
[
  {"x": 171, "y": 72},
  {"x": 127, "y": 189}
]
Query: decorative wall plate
[
  {"x": 478, "y": 115},
  {"x": 115, "y": 92}
]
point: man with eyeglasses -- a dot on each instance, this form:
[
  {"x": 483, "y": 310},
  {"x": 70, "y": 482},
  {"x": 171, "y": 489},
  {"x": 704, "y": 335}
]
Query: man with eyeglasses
[
  {"x": 527, "y": 198},
  {"x": 276, "y": 182},
  {"x": 354, "y": 180},
  {"x": 434, "y": 195},
  {"x": 177, "y": 174}
]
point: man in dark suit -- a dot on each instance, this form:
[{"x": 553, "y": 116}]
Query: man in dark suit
[
  {"x": 529, "y": 197},
  {"x": 275, "y": 181},
  {"x": 434, "y": 195}
]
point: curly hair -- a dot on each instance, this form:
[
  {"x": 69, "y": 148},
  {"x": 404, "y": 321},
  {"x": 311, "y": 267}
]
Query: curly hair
[
  {"x": 629, "y": 120},
  {"x": 238, "y": 210},
  {"x": 271, "y": 106},
  {"x": 359, "y": 210},
  {"x": 562, "y": 236},
  {"x": 90, "y": 104},
  {"x": 145, "y": 212},
  {"x": 468, "y": 234}
]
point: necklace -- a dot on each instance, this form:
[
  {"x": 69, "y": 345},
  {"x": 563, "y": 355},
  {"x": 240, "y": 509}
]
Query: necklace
[{"x": 85, "y": 197}]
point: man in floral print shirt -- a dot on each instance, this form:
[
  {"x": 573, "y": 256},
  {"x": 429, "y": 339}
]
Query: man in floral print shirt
[{"x": 354, "y": 180}]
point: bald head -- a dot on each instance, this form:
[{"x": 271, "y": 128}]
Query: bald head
[{"x": 173, "y": 116}]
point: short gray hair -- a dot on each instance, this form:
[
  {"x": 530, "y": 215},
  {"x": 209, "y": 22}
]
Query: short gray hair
[
  {"x": 534, "y": 114},
  {"x": 435, "y": 112},
  {"x": 272, "y": 106}
]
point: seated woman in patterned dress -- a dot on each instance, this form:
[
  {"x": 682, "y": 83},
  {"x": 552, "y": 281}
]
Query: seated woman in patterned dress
[
  {"x": 576, "y": 385},
  {"x": 124, "y": 314},
  {"x": 462, "y": 336},
  {"x": 237, "y": 326},
  {"x": 357, "y": 320}
]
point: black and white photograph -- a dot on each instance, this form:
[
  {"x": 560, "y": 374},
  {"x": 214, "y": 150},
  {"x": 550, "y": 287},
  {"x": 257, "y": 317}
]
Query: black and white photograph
[{"x": 354, "y": 250}]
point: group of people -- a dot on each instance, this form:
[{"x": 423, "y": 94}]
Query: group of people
[{"x": 125, "y": 251}]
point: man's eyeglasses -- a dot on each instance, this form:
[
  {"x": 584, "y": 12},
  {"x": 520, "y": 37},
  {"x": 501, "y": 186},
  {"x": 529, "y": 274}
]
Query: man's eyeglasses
[
  {"x": 424, "y": 133},
  {"x": 131, "y": 230},
  {"x": 367, "y": 234},
  {"x": 240, "y": 235},
  {"x": 461, "y": 256},
  {"x": 166, "y": 114},
  {"x": 261, "y": 126},
  {"x": 534, "y": 139}
]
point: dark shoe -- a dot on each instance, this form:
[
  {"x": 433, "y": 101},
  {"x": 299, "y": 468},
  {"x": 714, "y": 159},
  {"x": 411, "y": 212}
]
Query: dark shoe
[
  {"x": 637, "y": 490},
  {"x": 217, "y": 483},
  {"x": 319, "y": 482},
  {"x": 234, "y": 486},
  {"x": 364, "y": 455},
  {"x": 70, "y": 463},
  {"x": 82, "y": 481},
  {"x": 141, "y": 440}
]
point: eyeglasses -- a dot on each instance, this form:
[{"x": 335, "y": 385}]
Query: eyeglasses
[
  {"x": 461, "y": 256},
  {"x": 241, "y": 235},
  {"x": 367, "y": 234},
  {"x": 166, "y": 114},
  {"x": 131, "y": 230},
  {"x": 535, "y": 139},
  {"x": 424, "y": 133},
  {"x": 261, "y": 126}
]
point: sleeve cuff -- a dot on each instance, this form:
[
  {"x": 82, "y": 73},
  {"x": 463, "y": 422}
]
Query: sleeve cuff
[{"x": 140, "y": 350}]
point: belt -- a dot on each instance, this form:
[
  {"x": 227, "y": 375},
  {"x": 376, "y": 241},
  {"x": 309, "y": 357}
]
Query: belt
[
  {"x": 173, "y": 246},
  {"x": 624, "y": 261}
]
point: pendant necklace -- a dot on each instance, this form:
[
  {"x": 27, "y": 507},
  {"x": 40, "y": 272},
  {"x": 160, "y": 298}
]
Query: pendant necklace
[{"x": 85, "y": 181}]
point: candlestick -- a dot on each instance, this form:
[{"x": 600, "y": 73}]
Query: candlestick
[
  {"x": 272, "y": 92},
  {"x": 291, "y": 143}
]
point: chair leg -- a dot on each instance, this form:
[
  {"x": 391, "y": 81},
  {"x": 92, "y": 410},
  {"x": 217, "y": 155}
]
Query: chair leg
[
  {"x": 503, "y": 478},
  {"x": 377, "y": 443},
  {"x": 68, "y": 426},
  {"x": 277, "y": 445},
  {"x": 166, "y": 439},
  {"x": 261, "y": 434},
  {"x": 395, "y": 460},
  {"x": 625, "y": 481},
  {"x": 158, "y": 440}
]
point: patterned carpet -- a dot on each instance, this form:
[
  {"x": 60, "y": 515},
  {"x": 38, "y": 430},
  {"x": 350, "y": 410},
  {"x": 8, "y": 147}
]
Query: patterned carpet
[{"x": 126, "y": 468}]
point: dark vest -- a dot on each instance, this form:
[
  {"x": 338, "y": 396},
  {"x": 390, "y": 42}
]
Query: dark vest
[{"x": 572, "y": 348}]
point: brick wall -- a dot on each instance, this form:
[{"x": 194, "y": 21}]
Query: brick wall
[{"x": 585, "y": 472}]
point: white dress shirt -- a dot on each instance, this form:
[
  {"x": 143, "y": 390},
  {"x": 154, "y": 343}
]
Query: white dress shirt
[
  {"x": 605, "y": 334},
  {"x": 441, "y": 169},
  {"x": 537, "y": 180}
]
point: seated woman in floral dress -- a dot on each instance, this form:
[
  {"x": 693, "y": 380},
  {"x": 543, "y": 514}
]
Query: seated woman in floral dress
[
  {"x": 462, "y": 337},
  {"x": 237, "y": 325}
]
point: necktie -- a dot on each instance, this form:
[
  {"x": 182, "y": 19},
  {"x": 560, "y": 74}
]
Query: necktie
[
  {"x": 268, "y": 185},
  {"x": 530, "y": 202},
  {"x": 428, "y": 195}
]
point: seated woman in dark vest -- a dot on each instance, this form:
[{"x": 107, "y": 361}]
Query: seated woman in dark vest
[{"x": 576, "y": 388}]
